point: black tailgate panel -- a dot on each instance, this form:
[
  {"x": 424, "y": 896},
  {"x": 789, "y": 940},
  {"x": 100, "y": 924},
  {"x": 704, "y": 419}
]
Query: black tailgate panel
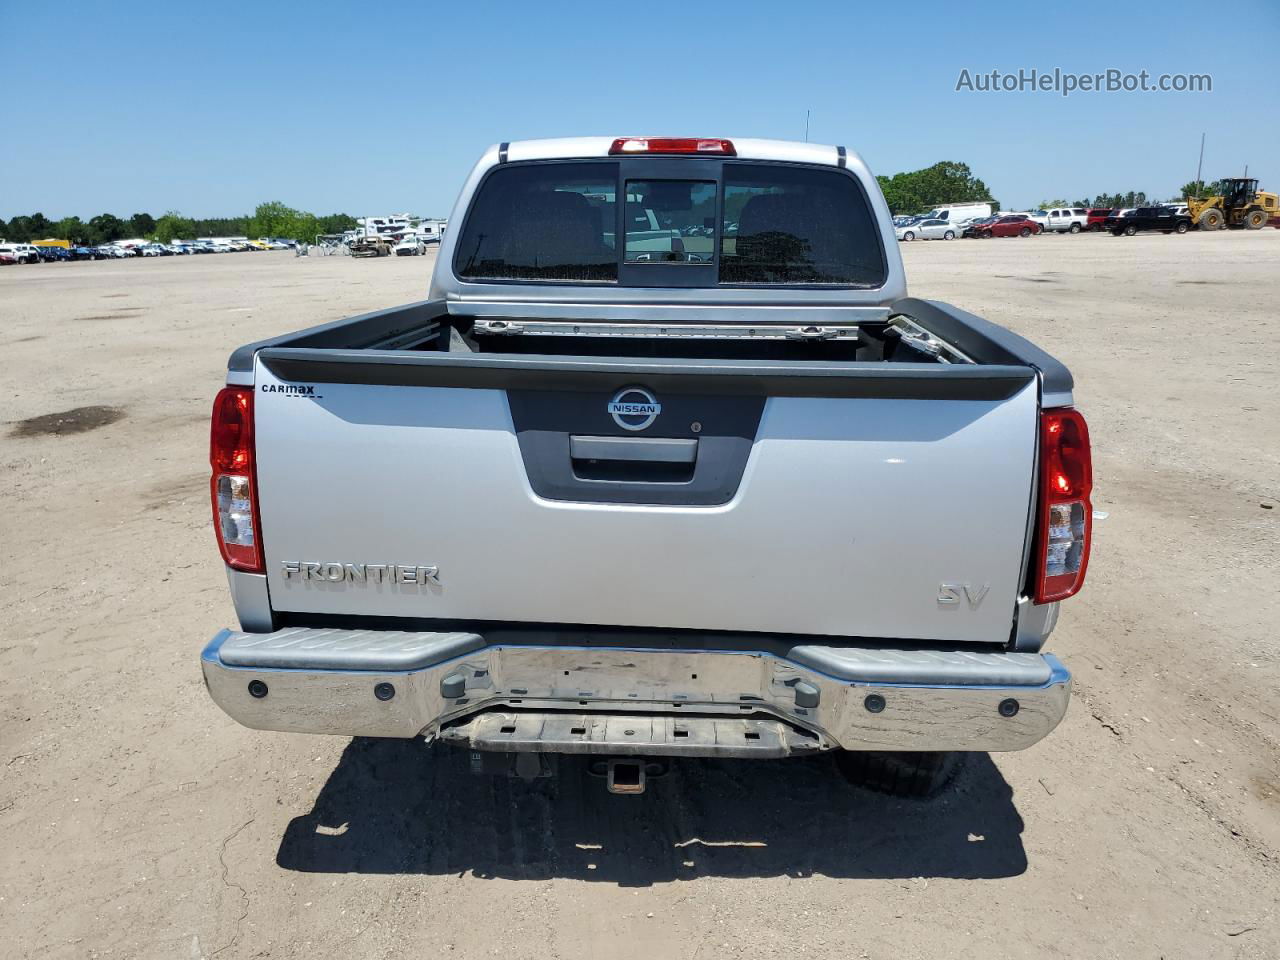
[{"x": 723, "y": 428}]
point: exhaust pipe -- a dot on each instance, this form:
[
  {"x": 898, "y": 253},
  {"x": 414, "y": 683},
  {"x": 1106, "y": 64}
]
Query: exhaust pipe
[{"x": 626, "y": 776}]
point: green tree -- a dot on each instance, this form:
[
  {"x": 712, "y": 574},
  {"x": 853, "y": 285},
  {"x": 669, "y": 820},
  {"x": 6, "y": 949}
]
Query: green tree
[
  {"x": 942, "y": 183},
  {"x": 222, "y": 227},
  {"x": 174, "y": 226},
  {"x": 305, "y": 228},
  {"x": 1199, "y": 188},
  {"x": 24, "y": 229},
  {"x": 141, "y": 224},
  {"x": 1134, "y": 198},
  {"x": 1050, "y": 204},
  {"x": 71, "y": 228},
  {"x": 106, "y": 227},
  {"x": 273, "y": 219},
  {"x": 337, "y": 223}
]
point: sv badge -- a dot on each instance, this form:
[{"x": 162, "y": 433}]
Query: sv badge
[{"x": 951, "y": 594}]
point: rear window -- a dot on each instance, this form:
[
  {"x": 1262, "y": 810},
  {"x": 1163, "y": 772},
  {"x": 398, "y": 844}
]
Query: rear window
[
  {"x": 760, "y": 224},
  {"x": 797, "y": 225},
  {"x": 543, "y": 222}
]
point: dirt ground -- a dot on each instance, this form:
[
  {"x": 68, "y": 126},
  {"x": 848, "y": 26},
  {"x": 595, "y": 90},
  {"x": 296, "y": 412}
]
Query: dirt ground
[{"x": 139, "y": 821}]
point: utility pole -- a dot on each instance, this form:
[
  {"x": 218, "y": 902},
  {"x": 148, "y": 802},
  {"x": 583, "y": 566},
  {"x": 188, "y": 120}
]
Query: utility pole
[
  {"x": 806, "y": 126},
  {"x": 1200, "y": 166}
]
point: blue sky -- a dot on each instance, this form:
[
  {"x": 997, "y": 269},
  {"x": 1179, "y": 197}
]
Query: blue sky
[{"x": 374, "y": 108}]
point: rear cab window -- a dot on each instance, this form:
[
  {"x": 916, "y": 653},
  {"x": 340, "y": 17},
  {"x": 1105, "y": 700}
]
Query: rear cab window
[
  {"x": 543, "y": 222},
  {"x": 732, "y": 223}
]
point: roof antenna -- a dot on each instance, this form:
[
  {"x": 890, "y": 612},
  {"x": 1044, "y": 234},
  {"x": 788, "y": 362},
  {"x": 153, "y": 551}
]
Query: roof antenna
[{"x": 806, "y": 126}]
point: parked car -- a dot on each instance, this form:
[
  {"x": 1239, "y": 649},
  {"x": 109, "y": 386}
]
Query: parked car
[
  {"x": 1179, "y": 209},
  {"x": 9, "y": 253},
  {"x": 370, "y": 246},
  {"x": 1067, "y": 220},
  {"x": 1114, "y": 218},
  {"x": 1039, "y": 216},
  {"x": 928, "y": 230},
  {"x": 21, "y": 252},
  {"x": 977, "y": 224},
  {"x": 410, "y": 246},
  {"x": 54, "y": 254},
  {"x": 1010, "y": 225},
  {"x": 1096, "y": 219},
  {"x": 84, "y": 253},
  {"x": 1144, "y": 219},
  {"x": 536, "y": 605}
]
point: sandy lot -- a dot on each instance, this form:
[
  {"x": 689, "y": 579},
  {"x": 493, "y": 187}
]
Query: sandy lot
[{"x": 139, "y": 821}]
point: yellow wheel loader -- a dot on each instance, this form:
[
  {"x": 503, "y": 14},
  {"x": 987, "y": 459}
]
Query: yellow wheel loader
[{"x": 1241, "y": 204}]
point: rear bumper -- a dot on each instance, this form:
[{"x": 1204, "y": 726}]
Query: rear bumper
[{"x": 802, "y": 698}]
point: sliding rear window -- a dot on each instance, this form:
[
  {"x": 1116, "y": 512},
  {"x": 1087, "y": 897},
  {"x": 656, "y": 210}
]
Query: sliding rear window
[{"x": 736, "y": 223}]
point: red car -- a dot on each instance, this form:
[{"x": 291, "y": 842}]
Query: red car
[
  {"x": 1014, "y": 225},
  {"x": 1097, "y": 218}
]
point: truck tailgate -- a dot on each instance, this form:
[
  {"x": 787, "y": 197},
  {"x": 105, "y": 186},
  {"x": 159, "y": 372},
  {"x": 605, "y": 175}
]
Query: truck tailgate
[{"x": 869, "y": 500}]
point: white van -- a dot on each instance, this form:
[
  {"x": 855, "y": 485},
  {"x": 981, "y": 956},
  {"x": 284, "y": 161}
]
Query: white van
[{"x": 960, "y": 213}]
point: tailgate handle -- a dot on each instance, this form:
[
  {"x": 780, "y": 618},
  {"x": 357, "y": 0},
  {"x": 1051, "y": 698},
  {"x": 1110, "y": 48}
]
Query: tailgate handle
[{"x": 643, "y": 449}]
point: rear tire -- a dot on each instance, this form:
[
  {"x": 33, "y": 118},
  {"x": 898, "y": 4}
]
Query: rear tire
[
  {"x": 1075, "y": 228},
  {"x": 908, "y": 236},
  {"x": 949, "y": 235},
  {"x": 1130, "y": 230},
  {"x": 1255, "y": 219},
  {"x": 1181, "y": 227},
  {"x": 905, "y": 774},
  {"x": 1024, "y": 232}
]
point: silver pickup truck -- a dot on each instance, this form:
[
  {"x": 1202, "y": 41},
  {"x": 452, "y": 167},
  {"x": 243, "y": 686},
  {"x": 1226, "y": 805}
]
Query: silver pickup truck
[{"x": 668, "y": 463}]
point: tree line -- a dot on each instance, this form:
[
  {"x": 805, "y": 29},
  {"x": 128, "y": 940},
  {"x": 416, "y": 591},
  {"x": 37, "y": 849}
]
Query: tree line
[
  {"x": 949, "y": 182},
  {"x": 267, "y": 220},
  {"x": 1138, "y": 198}
]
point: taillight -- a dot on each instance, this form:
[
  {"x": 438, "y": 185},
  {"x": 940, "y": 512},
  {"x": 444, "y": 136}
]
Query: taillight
[
  {"x": 234, "y": 483},
  {"x": 1065, "y": 522},
  {"x": 673, "y": 145}
]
